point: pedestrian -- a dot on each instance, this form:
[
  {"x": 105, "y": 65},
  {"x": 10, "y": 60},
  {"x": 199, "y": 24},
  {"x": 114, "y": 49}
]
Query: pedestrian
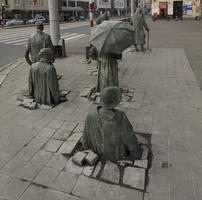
[
  {"x": 36, "y": 42},
  {"x": 176, "y": 15}
]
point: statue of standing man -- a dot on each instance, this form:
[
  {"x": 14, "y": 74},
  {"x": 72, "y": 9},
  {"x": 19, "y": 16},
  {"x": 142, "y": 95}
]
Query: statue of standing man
[
  {"x": 36, "y": 42},
  {"x": 139, "y": 24}
]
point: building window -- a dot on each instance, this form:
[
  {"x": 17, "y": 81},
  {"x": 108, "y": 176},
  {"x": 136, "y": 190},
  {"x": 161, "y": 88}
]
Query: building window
[{"x": 17, "y": 2}]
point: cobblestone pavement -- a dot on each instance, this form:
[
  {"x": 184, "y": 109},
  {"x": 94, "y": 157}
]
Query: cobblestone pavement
[
  {"x": 184, "y": 34},
  {"x": 168, "y": 104}
]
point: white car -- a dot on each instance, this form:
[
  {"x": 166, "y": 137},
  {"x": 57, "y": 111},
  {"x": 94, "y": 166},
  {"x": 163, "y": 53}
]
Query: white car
[
  {"x": 15, "y": 22},
  {"x": 36, "y": 19}
]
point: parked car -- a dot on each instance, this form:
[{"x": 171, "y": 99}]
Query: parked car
[
  {"x": 36, "y": 19},
  {"x": 15, "y": 22}
]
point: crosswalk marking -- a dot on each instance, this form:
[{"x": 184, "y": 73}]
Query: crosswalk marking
[
  {"x": 81, "y": 35},
  {"x": 21, "y": 38}
]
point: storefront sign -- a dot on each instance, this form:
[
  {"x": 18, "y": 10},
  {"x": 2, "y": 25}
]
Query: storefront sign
[{"x": 103, "y": 4}]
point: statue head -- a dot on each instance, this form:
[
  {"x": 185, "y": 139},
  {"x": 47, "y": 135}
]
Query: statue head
[
  {"x": 46, "y": 55},
  {"x": 39, "y": 25},
  {"x": 110, "y": 97}
]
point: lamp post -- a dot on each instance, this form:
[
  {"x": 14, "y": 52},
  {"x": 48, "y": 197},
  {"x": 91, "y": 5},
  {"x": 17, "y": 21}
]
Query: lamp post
[{"x": 59, "y": 44}]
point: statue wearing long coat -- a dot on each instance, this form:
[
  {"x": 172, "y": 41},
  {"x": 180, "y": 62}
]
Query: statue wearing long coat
[
  {"x": 107, "y": 71},
  {"x": 43, "y": 83},
  {"x": 139, "y": 24}
]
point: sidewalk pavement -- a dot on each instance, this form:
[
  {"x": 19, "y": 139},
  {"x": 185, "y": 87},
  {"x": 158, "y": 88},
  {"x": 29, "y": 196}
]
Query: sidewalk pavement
[{"x": 168, "y": 104}]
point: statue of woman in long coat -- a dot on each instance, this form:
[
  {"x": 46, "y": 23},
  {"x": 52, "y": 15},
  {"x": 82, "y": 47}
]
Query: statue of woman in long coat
[
  {"x": 139, "y": 24},
  {"x": 107, "y": 71}
]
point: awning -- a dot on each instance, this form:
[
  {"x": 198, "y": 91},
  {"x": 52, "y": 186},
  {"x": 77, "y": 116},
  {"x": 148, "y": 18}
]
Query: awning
[
  {"x": 69, "y": 8},
  {"x": 19, "y": 11}
]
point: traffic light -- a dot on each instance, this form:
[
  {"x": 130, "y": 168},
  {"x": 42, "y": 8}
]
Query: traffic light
[{"x": 34, "y": 2}]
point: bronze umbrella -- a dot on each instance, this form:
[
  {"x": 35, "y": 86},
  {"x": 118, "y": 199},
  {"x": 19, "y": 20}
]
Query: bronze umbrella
[{"x": 111, "y": 37}]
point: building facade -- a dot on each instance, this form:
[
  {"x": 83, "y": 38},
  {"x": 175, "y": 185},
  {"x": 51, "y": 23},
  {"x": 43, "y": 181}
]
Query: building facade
[
  {"x": 173, "y": 8},
  {"x": 24, "y": 9}
]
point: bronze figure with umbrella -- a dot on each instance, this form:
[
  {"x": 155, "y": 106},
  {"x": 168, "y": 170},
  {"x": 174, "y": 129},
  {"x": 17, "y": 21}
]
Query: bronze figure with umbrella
[{"x": 110, "y": 39}]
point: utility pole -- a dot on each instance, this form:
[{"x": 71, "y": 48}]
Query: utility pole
[
  {"x": 91, "y": 12},
  {"x": 58, "y": 44}
]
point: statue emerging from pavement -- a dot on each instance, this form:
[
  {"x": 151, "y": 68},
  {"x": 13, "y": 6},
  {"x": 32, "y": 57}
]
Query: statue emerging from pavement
[
  {"x": 43, "y": 83},
  {"x": 108, "y": 131},
  {"x": 36, "y": 42},
  {"x": 139, "y": 24}
]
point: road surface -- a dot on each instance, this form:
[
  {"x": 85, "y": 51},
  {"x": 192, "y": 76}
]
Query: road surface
[{"x": 13, "y": 41}]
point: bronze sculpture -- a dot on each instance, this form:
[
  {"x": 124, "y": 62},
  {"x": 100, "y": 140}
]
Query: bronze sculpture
[
  {"x": 108, "y": 131},
  {"x": 43, "y": 83},
  {"x": 36, "y": 42},
  {"x": 139, "y": 24}
]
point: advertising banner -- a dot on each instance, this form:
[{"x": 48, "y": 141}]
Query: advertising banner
[{"x": 187, "y": 10}]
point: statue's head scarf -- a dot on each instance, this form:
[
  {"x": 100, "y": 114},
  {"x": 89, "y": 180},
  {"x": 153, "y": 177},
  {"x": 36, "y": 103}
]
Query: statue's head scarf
[
  {"x": 46, "y": 55},
  {"x": 110, "y": 97}
]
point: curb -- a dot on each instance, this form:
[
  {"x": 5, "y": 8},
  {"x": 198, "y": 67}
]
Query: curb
[{"x": 8, "y": 68}]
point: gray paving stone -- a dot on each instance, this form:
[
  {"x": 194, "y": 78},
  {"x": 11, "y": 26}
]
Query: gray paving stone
[
  {"x": 34, "y": 166},
  {"x": 88, "y": 170},
  {"x": 47, "y": 176},
  {"x": 68, "y": 147},
  {"x": 47, "y": 132},
  {"x": 55, "y": 124},
  {"x": 37, "y": 142},
  {"x": 85, "y": 92},
  {"x": 65, "y": 181},
  {"x": 73, "y": 168},
  {"x": 4, "y": 180},
  {"x": 75, "y": 137},
  {"x": 145, "y": 153},
  {"x": 79, "y": 158},
  {"x": 57, "y": 195},
  {"x": 61, "y": 134},
  {"x": 69, "y": 126},
  {"x": 110, "y": 173},
  {"x": 97, "y": 170},
  {"x": 134, "y": 177},
  {"x": 141, "y": 163},
  {"x": 14, "y": 189},
  {"x": 79, "y": 128},
  {"x": 130, "y": 194},
  {"x": 57, "y": 161},
  {"x": 53, "y": 145},
  {"x": 91, "y": 158},
  {"x": 85, "y": 187},
  {"x": 34, "y": 192},
  {"x": 107, "y": 192}
]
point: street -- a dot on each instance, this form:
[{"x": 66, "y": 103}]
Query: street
[{"x": 13, "y": 41}]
